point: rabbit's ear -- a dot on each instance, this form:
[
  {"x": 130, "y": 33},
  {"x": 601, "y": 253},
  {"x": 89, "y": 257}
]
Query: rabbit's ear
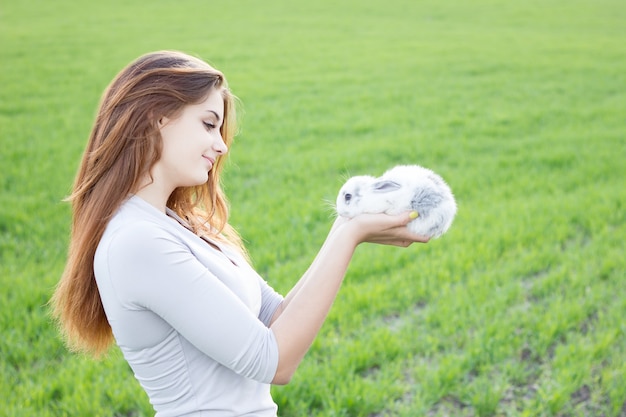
[{"x": 385, "y": 186}]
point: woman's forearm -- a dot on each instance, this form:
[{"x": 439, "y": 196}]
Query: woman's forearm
[
  {"x": 292, "y": 293},
  {"x": 302, "y": 313},
  {"x": 306, "y": 306}
]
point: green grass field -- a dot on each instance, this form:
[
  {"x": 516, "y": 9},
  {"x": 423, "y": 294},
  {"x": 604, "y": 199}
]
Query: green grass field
[{"x": 520, "y": 310}]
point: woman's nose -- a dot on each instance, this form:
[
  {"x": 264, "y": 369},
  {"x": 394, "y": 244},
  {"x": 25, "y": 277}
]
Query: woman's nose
[{"x": 220, "y": 146}]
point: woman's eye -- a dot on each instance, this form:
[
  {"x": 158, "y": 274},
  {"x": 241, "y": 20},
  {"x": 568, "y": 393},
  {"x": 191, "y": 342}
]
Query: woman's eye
[{"x": 209, "y": 126}]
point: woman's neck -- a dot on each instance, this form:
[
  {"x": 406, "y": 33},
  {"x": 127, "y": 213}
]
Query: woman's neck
[{"x": 154, "y": 194}]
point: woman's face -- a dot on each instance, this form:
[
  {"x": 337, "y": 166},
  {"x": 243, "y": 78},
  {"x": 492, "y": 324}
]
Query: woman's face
[{"x": 192, "y": 142}]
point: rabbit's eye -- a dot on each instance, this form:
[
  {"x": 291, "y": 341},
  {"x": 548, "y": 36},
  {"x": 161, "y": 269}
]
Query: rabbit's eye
[{"x": 347, "y": 197}]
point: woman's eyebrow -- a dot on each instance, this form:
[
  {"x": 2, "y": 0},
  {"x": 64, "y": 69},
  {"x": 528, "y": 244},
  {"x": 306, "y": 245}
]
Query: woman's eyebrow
[{"x": 217, "y": 116}]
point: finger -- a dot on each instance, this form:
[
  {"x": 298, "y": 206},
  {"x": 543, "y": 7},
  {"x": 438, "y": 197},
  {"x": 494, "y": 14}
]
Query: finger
[
  {"x": 406, "y": 217},
  {"x": 403, "y": 238},
  {"x": 410, "y": 216},
  {"x": 405, "y": 235},
  {"x": 401, "y": 219}
]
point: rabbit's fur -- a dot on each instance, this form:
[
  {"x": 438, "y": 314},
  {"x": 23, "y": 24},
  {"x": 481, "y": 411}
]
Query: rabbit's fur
[{"x": 402, "y": 188}]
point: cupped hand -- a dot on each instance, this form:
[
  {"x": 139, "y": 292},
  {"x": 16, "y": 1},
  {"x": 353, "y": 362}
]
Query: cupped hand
[{"x": 383, "y": 229}]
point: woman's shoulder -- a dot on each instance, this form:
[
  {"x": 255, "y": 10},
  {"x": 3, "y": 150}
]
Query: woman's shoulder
[{"x": 137, "y": 223}]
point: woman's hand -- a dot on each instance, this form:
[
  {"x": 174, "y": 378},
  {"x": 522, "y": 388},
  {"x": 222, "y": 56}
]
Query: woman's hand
[{"x": 380, "y": 228}]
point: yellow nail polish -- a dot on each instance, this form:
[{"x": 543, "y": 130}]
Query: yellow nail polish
[{"x": 414, "y": 215}]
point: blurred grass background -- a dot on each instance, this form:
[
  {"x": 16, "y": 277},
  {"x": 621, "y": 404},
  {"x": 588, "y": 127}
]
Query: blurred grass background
[{"x": 518, "y": 311}]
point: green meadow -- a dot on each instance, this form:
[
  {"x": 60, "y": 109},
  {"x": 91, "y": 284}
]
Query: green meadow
[{"x": 519, "y": 310}]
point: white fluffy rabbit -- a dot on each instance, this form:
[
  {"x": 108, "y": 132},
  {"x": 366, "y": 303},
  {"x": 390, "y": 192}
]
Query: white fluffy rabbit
[{"x": 402, "y": 188}]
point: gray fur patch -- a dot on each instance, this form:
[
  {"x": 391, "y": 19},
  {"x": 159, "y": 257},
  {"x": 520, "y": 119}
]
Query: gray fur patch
[{"x": 425, "y": 200}]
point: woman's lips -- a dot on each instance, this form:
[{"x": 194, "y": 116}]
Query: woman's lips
[{"x": 209, "y": 159}]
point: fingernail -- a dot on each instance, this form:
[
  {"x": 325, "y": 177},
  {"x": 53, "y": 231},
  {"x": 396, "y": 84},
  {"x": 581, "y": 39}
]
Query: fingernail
[{"x": 413, "y": 215}]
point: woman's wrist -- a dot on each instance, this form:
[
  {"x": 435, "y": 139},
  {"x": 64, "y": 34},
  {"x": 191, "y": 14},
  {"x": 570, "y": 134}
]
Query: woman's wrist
[{"x": 349, "y": 230}]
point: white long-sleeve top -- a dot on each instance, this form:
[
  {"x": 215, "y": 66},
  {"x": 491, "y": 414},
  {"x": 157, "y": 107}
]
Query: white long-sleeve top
[{"x": 191, "y": 320}]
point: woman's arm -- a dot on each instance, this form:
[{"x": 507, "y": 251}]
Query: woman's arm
[
  {"x": 304, "y": 277},
  {"x": 302, "y": 313}
]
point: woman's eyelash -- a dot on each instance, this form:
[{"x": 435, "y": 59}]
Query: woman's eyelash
[{"x": 209, "y": 125}]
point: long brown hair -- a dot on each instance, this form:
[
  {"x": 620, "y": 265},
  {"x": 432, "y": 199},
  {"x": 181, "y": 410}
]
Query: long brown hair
[{"x": 123, "y": 146}]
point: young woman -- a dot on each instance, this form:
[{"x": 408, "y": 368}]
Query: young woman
[{"x": 154, "y": 264}]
